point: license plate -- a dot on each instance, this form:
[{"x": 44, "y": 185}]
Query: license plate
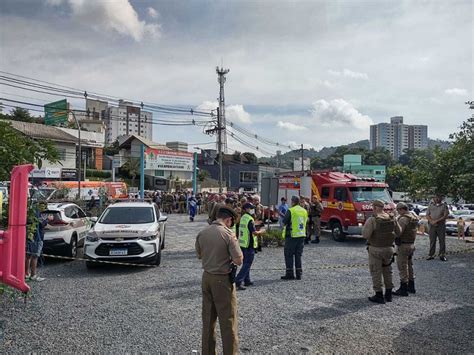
[{"x": 116, "y": 252}]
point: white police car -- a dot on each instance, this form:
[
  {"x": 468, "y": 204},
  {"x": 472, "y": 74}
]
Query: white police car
[{"x": 127, "y": 231}]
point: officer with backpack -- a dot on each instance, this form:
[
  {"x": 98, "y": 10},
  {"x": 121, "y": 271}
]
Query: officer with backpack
[
  {"x": 408, "y": 223},
  {"x": 380, "y": 231}
]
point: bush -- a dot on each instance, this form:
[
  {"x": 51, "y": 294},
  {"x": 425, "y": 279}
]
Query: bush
[
  {"x": 105, "y": 174},
  {"x": 273, "y": 237}
]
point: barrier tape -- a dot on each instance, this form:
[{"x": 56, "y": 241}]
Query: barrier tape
[{"x": 323, "y": 267}]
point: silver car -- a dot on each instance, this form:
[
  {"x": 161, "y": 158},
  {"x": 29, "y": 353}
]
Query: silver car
[{"x": 127, "y": 231}]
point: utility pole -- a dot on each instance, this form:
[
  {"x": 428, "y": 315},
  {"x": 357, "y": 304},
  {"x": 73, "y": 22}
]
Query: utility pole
[
  {"x": 302, "y": 160},
  {"x": 219, "y": 146},
  {"x": 221, "y": 72}
]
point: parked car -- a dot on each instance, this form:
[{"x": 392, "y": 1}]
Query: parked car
[
  {"x": 451, "y": 225},
  {"x": 127, "y": 231},
  {"x": 67, "y": 231}
]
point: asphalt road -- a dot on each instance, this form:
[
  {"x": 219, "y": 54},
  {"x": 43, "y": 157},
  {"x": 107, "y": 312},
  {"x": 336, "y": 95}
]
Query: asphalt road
[{"x": 151, "y": 310}]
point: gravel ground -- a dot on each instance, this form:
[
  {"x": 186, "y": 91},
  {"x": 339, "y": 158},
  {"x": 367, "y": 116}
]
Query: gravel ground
[{"x": 150, "y": 310}]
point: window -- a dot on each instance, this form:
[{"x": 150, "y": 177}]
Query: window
[
  {"x": 340, "y": 194},
  {"x": 248, "y": 177},
  {"x": 325, "y": 192},
  {"x": 62, "y": 153}
]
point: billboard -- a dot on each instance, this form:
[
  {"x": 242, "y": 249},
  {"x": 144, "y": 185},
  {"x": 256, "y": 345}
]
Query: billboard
[
  {"x": 56, "y": 113},
  {"x": 162, "y": 159}
]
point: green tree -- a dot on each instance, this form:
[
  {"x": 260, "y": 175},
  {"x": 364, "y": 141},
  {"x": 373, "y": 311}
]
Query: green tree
[
  {"x": 132, "y": 167},
  {"x": 202, "y": 175},
  {"x": 16, "y": 149},
  {"x": 251, "y": 158},
  {"x": 399, "y": 177},
  {"x": 112, "y": 149}
]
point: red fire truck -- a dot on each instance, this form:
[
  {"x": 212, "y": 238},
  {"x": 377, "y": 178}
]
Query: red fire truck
[{"x": 347, "y": 199}]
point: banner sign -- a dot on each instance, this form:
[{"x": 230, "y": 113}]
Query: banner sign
[
  {"x": 56, "y": 113},
  {"x": 46, "y": 173},
  {"x": 162, "y": 159}
]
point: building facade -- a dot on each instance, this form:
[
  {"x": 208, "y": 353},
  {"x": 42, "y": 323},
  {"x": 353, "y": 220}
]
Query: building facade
[
  {"x": 126, "y": 120},
  {"x": 397, "y": 136}
]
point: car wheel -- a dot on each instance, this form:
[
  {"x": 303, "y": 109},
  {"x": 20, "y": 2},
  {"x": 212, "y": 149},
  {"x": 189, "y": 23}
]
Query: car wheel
[
  {"x": 157, "y": 260},
  {"x": 72, "y": 248},
  {"x": 336, "y": 232}
]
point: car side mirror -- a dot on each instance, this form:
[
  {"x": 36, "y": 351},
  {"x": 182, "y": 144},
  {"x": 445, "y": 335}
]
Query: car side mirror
[
  {"x": 163, "y": 218},
  {"x": 93, "y": 219}
]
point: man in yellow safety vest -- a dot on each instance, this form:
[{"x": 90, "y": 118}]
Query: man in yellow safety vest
[
  {"x": 248, "y": 244},
  {"x": 294, "y": 232}
]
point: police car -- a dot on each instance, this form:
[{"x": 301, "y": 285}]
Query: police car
[{"x": 127, "y": 231}]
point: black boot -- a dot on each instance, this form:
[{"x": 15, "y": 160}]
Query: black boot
[
  {"x": 298, "y": 274},
  {"x": 288, "y": 276},
  {"x": 402, "y": 291},
  {"x": 315, "y": 241},
  {"x": 377, "y": 298},
  {"x": 388, "y": 295},
  {"x": 411, "y": 286}
]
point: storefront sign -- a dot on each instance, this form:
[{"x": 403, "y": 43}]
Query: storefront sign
[
  {"x": 46, "y": 173},
  {"x": 68, "y": 174},
  {"x": 161, "y": 159}
]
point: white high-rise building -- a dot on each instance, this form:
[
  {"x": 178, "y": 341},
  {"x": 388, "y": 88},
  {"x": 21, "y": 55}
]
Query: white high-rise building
[
  {"x": 127, "y": 120},
  {"x": 397, "y": 136}
]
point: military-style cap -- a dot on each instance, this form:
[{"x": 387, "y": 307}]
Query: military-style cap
[
  {"x": 402, "y": 206},
  {"x": 248, "y": 205},
  {"x": 228, "y": 212},
  {"x": 378, "y": 203}
]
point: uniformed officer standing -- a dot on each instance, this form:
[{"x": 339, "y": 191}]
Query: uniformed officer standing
[
  {"x": 316, "y": 209},
  {"x": 248, "y": 243},
  {"x": 217, "y": 247},
  {"x": 380, "y": 231},
  {"x": 408, "y": 223},
  {"x": 295, "y": 232},
  {"x": 437, "y": 213}
]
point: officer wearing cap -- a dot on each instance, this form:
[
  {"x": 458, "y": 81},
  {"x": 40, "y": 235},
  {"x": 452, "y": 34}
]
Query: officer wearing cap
[
  {"x": 248, "y": 243},
  {"x": 295, "y": 233},
  {"x": 380, "y": 231},
  {"x": 217, "y": 247},
  {"x": 408, "y": 223}
]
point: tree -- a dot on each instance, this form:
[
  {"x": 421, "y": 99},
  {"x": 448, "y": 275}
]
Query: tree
[
  {"x": 236, "y": 156},
  {"x": 112, "y": 149},
  {"x": 202, "y": 175},
  {"x": 132, "y": 167},
  {"x": 399, "y": 177},
  {"x": 16, "y": 149},
  {"x": 251, "y": 158}
]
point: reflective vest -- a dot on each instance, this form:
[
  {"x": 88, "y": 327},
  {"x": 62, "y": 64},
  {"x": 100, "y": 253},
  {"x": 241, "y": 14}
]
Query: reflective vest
[
  {"x": 384, "y": 233},
  {"x": 244, "y": 234},
  {"x": 299, "y": 217}
]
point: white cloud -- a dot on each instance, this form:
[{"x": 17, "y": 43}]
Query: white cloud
[
  {"x": 234, "y": 113},
  {"x": 349, "y": 74},
  {"x": 294, "y": 145},
  {"x": 114, "y": 16},
  {"x": 339, "y": 113},
  {"x": 290, "y": 126},
  {"x": 152, "y": 12},
  {"x": 456, "y": 92}
]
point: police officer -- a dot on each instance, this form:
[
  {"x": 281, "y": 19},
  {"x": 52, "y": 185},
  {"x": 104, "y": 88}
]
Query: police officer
[
  {"x": 248, "y": 243},
  {"x": 380, "y": 231},
  {"x": 408, "y": 223},
  {"x": 217, "y": 247},
  {"x": 295, "y": 232},
  {"x": 436, "y": 213},
  {"x": 316, "y": 209}
]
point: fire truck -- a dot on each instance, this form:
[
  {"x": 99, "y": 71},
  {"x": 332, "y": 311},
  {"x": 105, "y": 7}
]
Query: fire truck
[{"x": 347, "y": 199}]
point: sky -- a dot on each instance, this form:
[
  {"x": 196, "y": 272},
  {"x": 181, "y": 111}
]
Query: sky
[{"x": 317, "y": 73}]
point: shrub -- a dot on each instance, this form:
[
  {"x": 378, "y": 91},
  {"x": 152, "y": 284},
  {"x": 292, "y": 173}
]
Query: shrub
[
  {"x": 273, "y": 237},
  {"x": 98, "y": 173}
]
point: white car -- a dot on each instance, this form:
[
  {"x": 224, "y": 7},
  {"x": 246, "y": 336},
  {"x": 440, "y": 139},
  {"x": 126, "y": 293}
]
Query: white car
[
  {"x": 127, "y": 231},
  {"x": 68, "y": 229},
  {"x": 452, "y": 227}
]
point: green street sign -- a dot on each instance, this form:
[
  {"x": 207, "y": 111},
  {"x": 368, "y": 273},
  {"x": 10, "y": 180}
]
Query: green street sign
[{"x": 56, "y": 113}]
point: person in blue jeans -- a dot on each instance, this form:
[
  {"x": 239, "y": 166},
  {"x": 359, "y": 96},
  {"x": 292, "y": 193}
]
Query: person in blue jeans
[
  {"x": 248, "y": 244},
  {"x": 282, "y": 209}
]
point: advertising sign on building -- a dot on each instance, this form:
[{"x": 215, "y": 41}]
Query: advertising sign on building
[
  {"x": 68, "y": 173},
  {"x": 46, "y": 173},
  {"x": 162, "y": 159},
  {"x": 56, "y": 113}
]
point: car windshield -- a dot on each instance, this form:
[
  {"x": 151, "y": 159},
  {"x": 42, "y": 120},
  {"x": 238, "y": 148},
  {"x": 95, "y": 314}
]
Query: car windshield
[
  {"x": 127, "y": 215},
  {"x": 368, "y": 193}
]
